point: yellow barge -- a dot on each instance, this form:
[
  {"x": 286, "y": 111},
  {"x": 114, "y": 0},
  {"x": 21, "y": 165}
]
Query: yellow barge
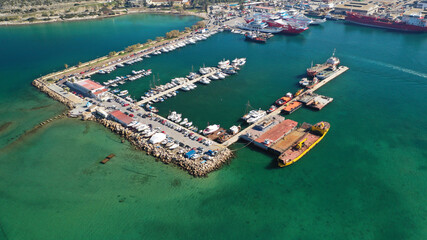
[{"x": 304, "y": 145}]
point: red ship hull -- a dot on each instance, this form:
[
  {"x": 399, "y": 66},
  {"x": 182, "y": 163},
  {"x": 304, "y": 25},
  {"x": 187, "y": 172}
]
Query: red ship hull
[
  {"x": 382, "y": 23},
  {"x": 287, "y": 29}
]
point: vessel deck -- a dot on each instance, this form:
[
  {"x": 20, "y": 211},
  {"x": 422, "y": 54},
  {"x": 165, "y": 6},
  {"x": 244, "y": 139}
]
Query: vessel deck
[
  {"x": 292, "y": 153},
  {"x": 290, "y": 139}
]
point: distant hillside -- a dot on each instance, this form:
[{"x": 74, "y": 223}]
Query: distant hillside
[{"x": 27, "y": 3}]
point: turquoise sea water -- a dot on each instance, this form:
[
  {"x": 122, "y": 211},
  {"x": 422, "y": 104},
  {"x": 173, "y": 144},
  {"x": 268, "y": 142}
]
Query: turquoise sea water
[{"x": 365, "y": 180}]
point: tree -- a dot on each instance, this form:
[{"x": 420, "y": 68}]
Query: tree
[
  {"x": 79, "y": 64},
  {"x": 172, "y": 34},
  {"x": 241, "y": 6},
  {"x": 159, "y": 39},
  {"x": 178, "y": 8},
  {"x": 201, "y": 24},
  {"x": 111, "y": 54},
  {"x": 133, "y": 47},
  {"x": 170, "y": 3},
  {"x": 187, "y": 29},
  {"x": 66, "y": 65}
]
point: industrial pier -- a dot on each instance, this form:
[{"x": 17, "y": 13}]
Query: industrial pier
[{"x": 335, "y": 74}]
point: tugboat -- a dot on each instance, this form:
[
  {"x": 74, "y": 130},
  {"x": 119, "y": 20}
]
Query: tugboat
[
  {"x": 255, "y": 37},
  {"x": 332, "y": 62}
]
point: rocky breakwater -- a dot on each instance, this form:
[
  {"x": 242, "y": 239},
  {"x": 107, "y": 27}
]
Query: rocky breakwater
[
  {"x": 43, "y": 87},
  {"x": 196, "y": 168},
  {"x": 62, "y": 115}
]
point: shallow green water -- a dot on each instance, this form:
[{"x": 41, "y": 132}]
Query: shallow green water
[{"x": 365, "y": 180}]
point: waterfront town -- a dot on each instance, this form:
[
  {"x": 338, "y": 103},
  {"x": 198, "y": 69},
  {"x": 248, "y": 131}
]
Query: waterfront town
[{"x": 37, "y": 12}]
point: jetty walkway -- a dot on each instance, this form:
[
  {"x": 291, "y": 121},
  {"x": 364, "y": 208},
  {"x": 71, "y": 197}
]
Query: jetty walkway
[{"x": 236, "y": 137}]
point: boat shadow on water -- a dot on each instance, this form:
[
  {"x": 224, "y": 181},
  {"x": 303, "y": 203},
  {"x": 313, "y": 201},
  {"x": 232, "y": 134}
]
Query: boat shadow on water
[
  {"x": 303, "y": 75},
  {"x": 272, "y": 165}
]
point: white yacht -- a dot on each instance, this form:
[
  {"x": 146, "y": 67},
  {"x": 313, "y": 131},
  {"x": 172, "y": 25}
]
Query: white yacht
[
  {"x": 210, "y": 129},
  {"x": 249, "y": 114},
  {"x": 214, "y": 77},
  {"x": 224, "y": 63},
  {"x": 220, "y": 75},
  {"x": 257, "y": 116},
  {"x": 123, "y": 93},
  {"x": 185, "y": 88},
  {"x": 172, "y": 115},
  {"x": 184, "y": 121},
  {"x": 205, "y": 81}
]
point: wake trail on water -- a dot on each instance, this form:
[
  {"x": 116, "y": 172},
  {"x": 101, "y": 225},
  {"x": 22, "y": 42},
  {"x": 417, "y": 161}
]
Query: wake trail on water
[{"x": 388, "y": 65}]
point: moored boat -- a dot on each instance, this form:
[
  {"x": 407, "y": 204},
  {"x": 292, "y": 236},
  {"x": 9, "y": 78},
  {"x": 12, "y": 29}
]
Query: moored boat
[
  {"x": 304, "y": 144},
  {"x": 260, "y": 26},
  {"x": 283, "y": 100},
  {"x": 254, "y": 37},
  {"x": 210, "y": 129},
  {"x": 409, "y": 23},
  {"x": 332, "y": 62},
  {"x": 256, "y": 116},
  {"x": 288, "y": 27},
  {"x": 272, "y": 109}
]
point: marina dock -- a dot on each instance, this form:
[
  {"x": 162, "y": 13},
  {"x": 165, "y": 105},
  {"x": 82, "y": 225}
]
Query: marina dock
[
  {"x": 315, "y": 101},
  {"x": 169, "y": 140},
  {"x": 214, "y": 71}
]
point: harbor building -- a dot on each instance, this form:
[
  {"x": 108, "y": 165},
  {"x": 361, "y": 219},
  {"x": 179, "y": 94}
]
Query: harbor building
[
  {"x": 279, "y": 136},
  {"x": 120, "y": 117},
  {"x": 88, "y": 88},
  {"x": 270, "y": 131}
]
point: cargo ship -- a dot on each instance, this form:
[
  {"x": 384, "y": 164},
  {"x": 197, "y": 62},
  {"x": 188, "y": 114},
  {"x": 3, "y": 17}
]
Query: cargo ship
[
  {"x": 304, "y": 144},
  {"x": 411, "y": 23},
  {"x": 259, "y": 26},
  {"x": 287, "y": 27},
  {"x": 332, "y": 62}
]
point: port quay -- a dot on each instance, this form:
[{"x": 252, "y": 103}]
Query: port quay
[{"x": 170, "y": 141}]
